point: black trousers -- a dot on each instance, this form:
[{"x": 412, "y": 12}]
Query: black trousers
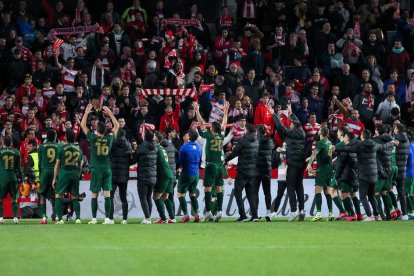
[
  {"x": 249, "y": 183},
  {"x": 29, "y": 212},
  {"x": 145, "y": 197},
  {"x": 122, "y": 186},
  {"x": 401, "y": 196},
  {"x": 281, "y": 188},
  {"x": 294, "y": 179},
  {"x": 264, "y": 179},
  {"x": 368, "y": 189}
]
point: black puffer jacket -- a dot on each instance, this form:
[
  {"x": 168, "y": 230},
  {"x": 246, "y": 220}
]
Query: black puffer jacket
[
  {"x": 120, "y": 160},
  {"x": 171, "y": 153},
  {"x": 347, "y": 166},
  {"x": 367, "y": 158},
  {"x": 146, "y": 157},
  {"x": 384, "y": 156},
  {"x": 401, "y": 154},
  {"x": 264, "y": 158},
  {"x": 295, "y": 142},
  {"x": 247, "y": 150}
]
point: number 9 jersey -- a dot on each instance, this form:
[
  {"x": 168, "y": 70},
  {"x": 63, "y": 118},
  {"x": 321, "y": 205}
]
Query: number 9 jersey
[{"x": 100, "y": 148}]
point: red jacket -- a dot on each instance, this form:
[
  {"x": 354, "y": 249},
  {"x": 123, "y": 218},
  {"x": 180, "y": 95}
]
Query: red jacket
[
  {"x": 286, "y": 121},
  {"x": 171, "y": 120},
  {"x": 262, "y": 116},
  {"x": 25, "y": 91}
]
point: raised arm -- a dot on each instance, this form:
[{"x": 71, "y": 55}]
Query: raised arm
[
  {"x": 225, "y": 116},
  {"x": 199, "y": 118},
  {"x": 280, "y": 127},
  {"x": 113, "y": 119},
  {"x": 84, "y": 127},
  {"x": 58, "y": 64}
]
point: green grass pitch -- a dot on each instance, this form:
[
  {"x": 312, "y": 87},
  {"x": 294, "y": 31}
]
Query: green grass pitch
[{"x": 225, "y": 248}]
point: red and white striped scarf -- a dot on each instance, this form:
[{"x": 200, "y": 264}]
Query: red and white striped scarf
[
  {"x": 143, "y": 127},
  {"x": 184, "y": 92}
]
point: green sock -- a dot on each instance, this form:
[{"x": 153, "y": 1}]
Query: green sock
[
  {"x": 108, "y": 206},
  {"x": 379, "y": 205},
  {"x": 348, "y": 206},
  {"x": 1, "y": 209},
  {"x": 194, "y": 203},
  {"x": 43, "y": 209},
  {"x": 160, "y": 208},
  {"x": 318, "y": 202},
  {"x": 207, "y": 199},
  {"x": 170, "y": 208},
  {"x": 94, "y": 203},
  {"x": 387, "y": 204},
  {"x": 220, "y": 198},
  {"x": 214, "y": 205},
  {"x": 393, "y": 199},
  {"x": 183, "y": 205},
  {"x": 76, "y": 207},
  {"x": 329, "y": 202},
  {"x": 59, "y": 208},
  {"x": 409, "y": 205},
  {"x": 357, "y": 205},
  {"x": 339, "y": 204},
  {"x": 15, "y": 208}
]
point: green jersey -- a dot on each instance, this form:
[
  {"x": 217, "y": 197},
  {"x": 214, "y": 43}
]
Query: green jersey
[
  {"x": 100, "y": 148},
  {"x": 10, "y": 164},
  {"x": 324, "y": 157},
  {"x": 214, "y": 147},
  {"x": 70, "y": 157},
  {"x": 47, "y": 155},
  {"x": 163, "y": 167}
]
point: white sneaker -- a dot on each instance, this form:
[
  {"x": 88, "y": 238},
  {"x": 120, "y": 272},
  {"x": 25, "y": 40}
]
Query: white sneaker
[
  {"x": 273, "y": 215},
  {"x": 16, "y": 221},
  {"x": 294, "y": 216},
  {"x": 217, "y": 217},
  {"x": 124, "y": 222},
  {"x": 268, "y": 216},
  {"x": 108, "y": 221},
  {"x": 93, "y": 221},
  {"x": 405, "y": 217},
  {"x": 371, "y": 218},
  {"x": 60, "y": 222},
  {"x": 146, "y": 221},
  {"x": 1, "y": 220},
  {"x": 207, "y": 217},
  {"x": 78, "y": 221}
]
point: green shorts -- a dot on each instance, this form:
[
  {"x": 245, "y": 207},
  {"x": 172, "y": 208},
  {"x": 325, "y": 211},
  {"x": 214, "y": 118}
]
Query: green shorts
[
  {"x": 392, "y": 178},
  {"x": 8, "y": 186},
  {"x": 164, "y": 185},
  {"x": 323, "y": 178},
  {"x": 187, "y": 184},
  {"x": 381, "y": 185},
  {"x": 213, "y": 175},
  {"x": 408, "y": 186},
  {"x": 101, "y": 179},
  {"x": 346, "y": 188},
  {"x": 46, "y": 178},
  {"x": 68, "y": 182}
]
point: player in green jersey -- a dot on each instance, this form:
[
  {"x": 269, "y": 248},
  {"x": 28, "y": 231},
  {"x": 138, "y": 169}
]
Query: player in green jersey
[
  {"x": 66, "y": 175},
  {"x": 214, "y": 160},
  {"x": 101, "y": 173},
  {"x": 10, "y": 172},
  {"x": 165, "y": 183},
  {"x": 323, "y": 155},
  {"x": 47, "y": 159}
]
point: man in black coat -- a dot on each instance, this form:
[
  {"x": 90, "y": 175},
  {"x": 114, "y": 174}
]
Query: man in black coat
[
  {"x": 264, "y": 168},
  {"x": 401, "y": 157},
  {"x": 384, "y": 169},
  {"x": 368, "y": 171},
  {"x": 120, "y": 161},
  {"x": 146, "y": 157},
  {"x": 295, "y": 160},
  {"x": 247, "y": 149}
]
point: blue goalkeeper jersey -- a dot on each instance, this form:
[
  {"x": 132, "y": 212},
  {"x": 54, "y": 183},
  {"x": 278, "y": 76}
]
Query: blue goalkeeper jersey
[{"x": 189, "y": 159}]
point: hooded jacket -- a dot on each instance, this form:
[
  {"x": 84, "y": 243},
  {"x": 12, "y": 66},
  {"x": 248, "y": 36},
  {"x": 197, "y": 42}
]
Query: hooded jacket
[
  {"x": 120, "y": 159},
  {"x": 295, "y": 142},
  {"x": 146, "y": 157},
  {"x": 401, "y": 153},
  {"x": 247, "y": 149},
  {"x": 384, "y": 156},
  {"x": 347, "y": 165},
  {"x": 367, "y": 158},
  {"x": 264, "y": 158},
  {"x": 171, "y": 153}
]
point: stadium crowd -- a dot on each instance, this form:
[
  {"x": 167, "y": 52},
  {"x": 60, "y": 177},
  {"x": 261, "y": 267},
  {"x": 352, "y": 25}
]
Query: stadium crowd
[{"x": 332, "y": 68}]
